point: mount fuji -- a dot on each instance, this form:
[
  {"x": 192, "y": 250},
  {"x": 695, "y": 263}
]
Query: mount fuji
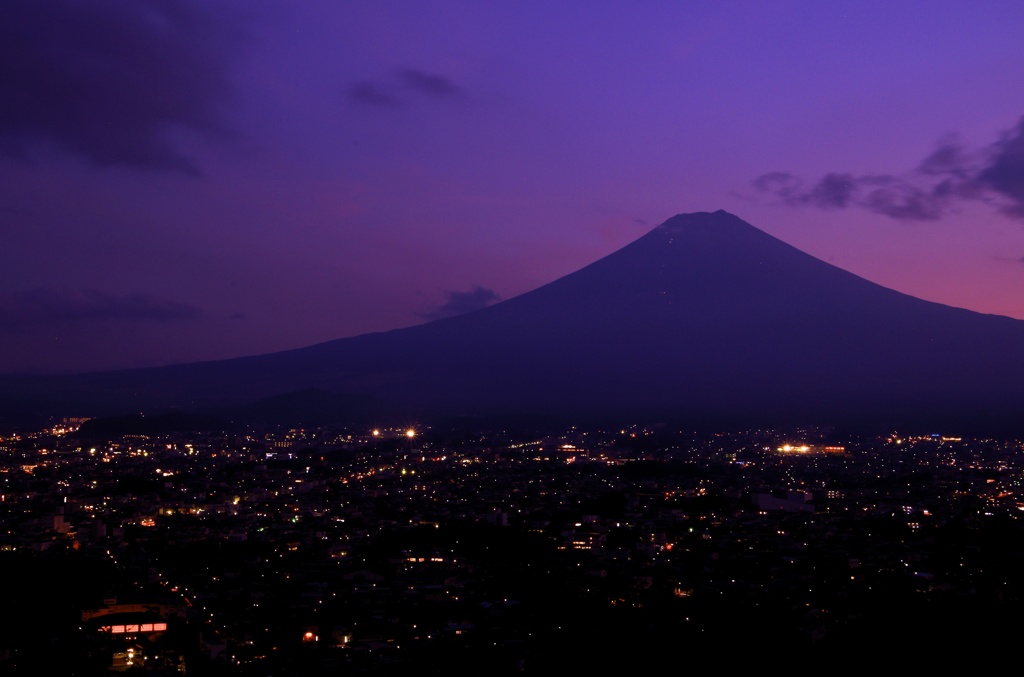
[{"x": 705, "y": 318}]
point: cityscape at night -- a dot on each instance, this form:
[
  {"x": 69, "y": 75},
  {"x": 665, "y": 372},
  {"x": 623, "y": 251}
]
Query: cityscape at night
[
  {"x": 302, "y": 551},
  {"x": 489, "y": 338}
]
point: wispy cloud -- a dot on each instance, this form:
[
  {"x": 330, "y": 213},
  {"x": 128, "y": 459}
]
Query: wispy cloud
[
  {"x": 461, "y": 302},
  {"x": 949, "y": 175},
  {"x": 370, "y": 94},
  {"x": 430, "y": 84},
  {"x": 45, "y": 305},
  {"x": 402, "y": 88},
  {"x": 105, "y": 80}
]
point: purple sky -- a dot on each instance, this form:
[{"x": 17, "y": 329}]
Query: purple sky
[{"x": 196, "y": 180}]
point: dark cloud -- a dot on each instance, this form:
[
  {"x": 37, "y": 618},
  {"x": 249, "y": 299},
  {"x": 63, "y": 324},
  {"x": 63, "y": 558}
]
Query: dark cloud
[
  {"x": 879, "y": 193},
  {"x": 834, "y": 191},
  {"x": 370, "y": 94},
  {"x": 1004, "y": 174},
  {"x": 903, "y": 202},
  {"x": 949, "y": 157},
  {"x": 429, "y": 83},
  {"x": 461, "y": 302},
  {"x": 107, "y": 79},
  {"x": 47, "y": 305},
  {"x": 950, "y": 174}
]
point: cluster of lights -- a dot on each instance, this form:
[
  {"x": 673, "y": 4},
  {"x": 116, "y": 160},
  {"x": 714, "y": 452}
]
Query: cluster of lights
[
  {"x": 133, "y": 628},
  {"x": 410, "y": 433}
]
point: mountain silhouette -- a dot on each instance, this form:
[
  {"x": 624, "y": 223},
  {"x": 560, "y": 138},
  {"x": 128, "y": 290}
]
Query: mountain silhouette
[{"x": 705, "y": 318}]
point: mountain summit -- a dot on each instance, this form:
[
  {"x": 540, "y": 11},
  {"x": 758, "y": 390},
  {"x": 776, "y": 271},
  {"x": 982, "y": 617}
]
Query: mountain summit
[{"x": 705, "y": 317}]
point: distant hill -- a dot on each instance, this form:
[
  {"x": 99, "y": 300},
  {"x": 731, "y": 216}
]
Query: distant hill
[{"x": 704, "y": 318}]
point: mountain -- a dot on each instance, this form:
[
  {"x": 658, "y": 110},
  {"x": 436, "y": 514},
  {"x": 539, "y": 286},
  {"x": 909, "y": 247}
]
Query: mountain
[{"x": 705, "y": 318}]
